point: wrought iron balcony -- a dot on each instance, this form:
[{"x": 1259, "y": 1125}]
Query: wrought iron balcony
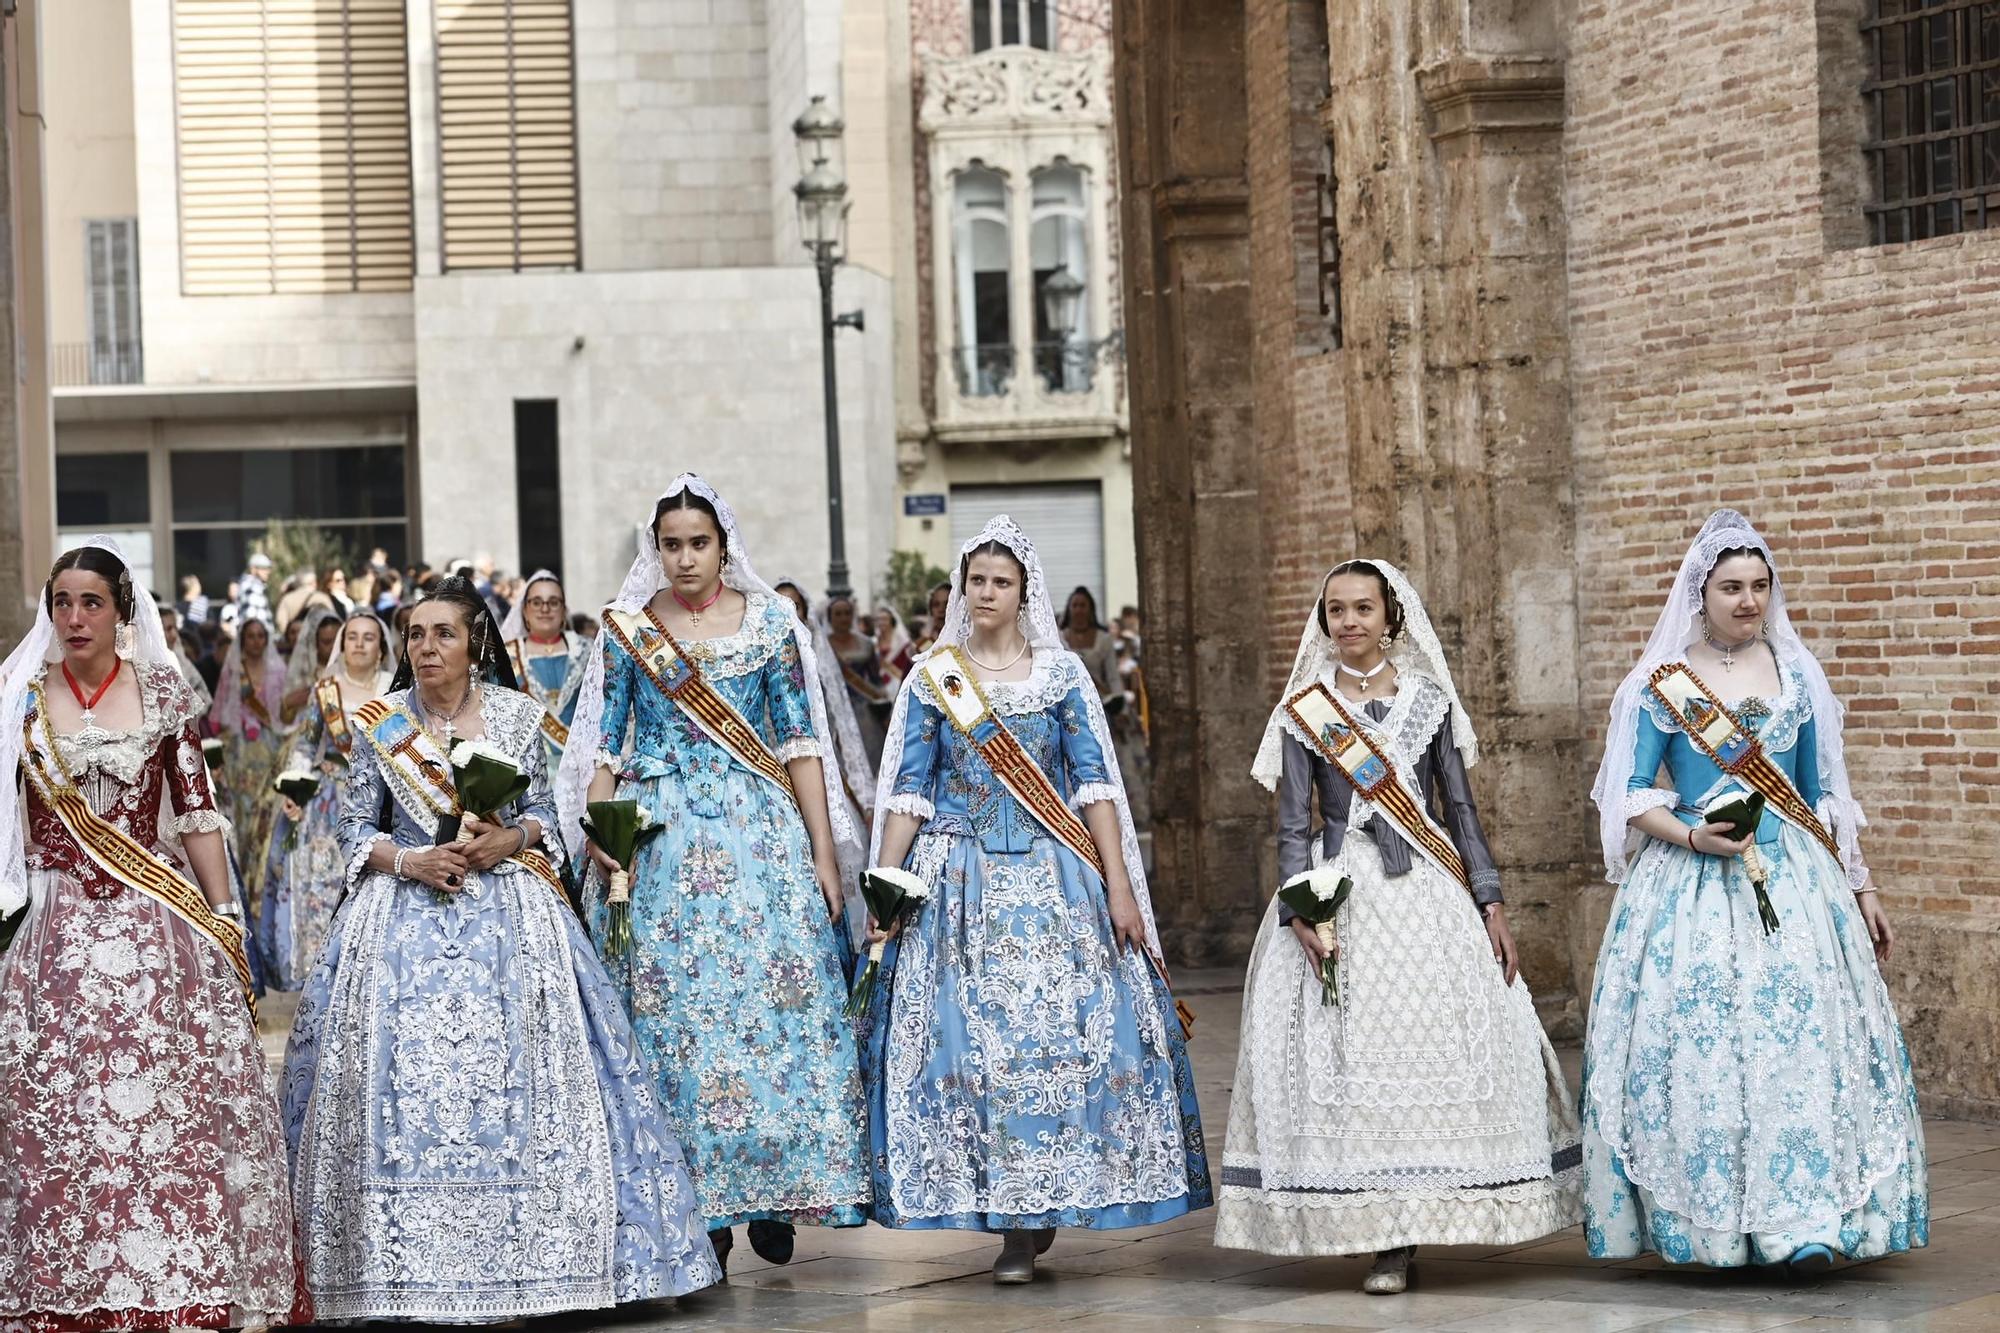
[{"x": 76, "y": 364}]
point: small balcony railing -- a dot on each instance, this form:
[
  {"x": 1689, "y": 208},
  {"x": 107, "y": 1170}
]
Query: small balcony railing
[
  {"x": 1066, "y": 367},
  {"x": 985, "y": 370},
  {"x": 76, "y": 364}
]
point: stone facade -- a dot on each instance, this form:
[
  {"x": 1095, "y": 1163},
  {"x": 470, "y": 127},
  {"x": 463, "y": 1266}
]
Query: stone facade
[{"x": 1602, "y": 270}]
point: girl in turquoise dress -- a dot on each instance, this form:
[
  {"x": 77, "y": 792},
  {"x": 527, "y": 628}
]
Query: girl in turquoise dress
[
  {"x": 735, "y": 977},
  {"x": 1747, "y": 1095},
  {"x": 1026, "y": 1070}
]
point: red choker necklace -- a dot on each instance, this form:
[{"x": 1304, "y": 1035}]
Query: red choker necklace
[{"x": 694, "y": 612}]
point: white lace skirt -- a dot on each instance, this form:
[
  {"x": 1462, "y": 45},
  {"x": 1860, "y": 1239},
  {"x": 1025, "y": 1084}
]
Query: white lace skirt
[{"x": 1427, "y": 1108}]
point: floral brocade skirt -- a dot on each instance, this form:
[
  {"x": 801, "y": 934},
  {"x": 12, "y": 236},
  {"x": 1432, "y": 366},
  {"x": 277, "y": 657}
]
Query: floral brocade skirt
[
  {"x": 1746, "y": 1094},
  {"x": 736, "y": 982},
  {"x": 1024, "y": 1070},
  {"x": 142, "y": 1166}
]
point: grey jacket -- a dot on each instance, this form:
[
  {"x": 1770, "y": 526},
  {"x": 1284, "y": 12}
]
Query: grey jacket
[{"x": 1442, "y": 770}]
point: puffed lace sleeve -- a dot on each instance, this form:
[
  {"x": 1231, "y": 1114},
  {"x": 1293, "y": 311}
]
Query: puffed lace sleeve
[
  {"x": 620, "y": 675},
  {"x": 790, "y": 707}
]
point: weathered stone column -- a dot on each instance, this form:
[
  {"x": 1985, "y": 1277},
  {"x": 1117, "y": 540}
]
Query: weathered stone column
[{"x": 1181, "y": 122}]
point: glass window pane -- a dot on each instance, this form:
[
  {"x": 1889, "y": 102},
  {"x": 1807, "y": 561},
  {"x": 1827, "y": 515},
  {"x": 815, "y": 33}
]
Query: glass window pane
[
  {"x": 101, "y": 491},
  {"x": 982, "y": 23},
  {"x": 237, "y": 485},
  {"x": 1038, "y": 24}
]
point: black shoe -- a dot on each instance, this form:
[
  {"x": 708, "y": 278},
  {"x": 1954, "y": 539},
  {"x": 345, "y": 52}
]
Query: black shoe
[
  {"x": 722, "y": 1241},
  {"x": 772, "y": 1240}
]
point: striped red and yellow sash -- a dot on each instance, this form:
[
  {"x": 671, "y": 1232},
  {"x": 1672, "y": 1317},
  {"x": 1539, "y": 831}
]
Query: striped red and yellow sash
[
  {"x": 419, "y": 776},
  {"x": 120, "y": 856},
  {"x": 334, "y": 714},
  {"x": 965, "y": 704},
  {"x": 1348, "y": 747},
  {"x": 675, "y": 675},
  {"x": 1733, "y": 747}
]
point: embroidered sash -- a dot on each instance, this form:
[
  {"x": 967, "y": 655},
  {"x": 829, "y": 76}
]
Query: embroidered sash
[
  {"x": 663, "y": 661},
  {"x": 118, "y": 854},
  {"x": 1348, "y": 747},
  {"x": 964, "y": 703},
  {"x": 334, "y": 714},
  {"x": 419, "y": 776},
  {"x": 1733, "y": 747}
]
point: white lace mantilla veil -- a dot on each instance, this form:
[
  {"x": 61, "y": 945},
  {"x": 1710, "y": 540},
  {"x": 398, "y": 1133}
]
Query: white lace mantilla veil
[
  {"x": 300, "y": 668},
  {"x": 149, "y": 644},
  {"x": 861, "y": 774},
  {"x": 642, "y": 583},
  {"x": 1676, "y": 630},
  {"x": 1416, "y": 650},
  {"x": 1038, "y": 626}
]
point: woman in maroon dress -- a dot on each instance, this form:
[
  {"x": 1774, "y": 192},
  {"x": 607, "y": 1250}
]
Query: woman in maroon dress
[{"x": 142, "y": 1166}]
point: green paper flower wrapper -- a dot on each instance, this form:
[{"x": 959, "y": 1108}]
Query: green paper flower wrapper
[
  {"x": 1742, "y": 813},
  {"x": 1315, "y": 895},
  {"x": 487, "y": 779},
  {"x": 891, "y": 895},
  {"x": 620, "y": 829}
]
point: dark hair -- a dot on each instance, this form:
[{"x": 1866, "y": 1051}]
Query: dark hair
[
  {"x": 686, "y": 498},
  {"x": 1390, "y": 605},
  {"x": 1096, "y": 622},
  {"x": 489, "y": 660},
  {"x": 94, "y": 560},
  {"x": 382, "y": 631},
  {"x": 995, "y": 547},
  {"x": 1731, "y": 554}
]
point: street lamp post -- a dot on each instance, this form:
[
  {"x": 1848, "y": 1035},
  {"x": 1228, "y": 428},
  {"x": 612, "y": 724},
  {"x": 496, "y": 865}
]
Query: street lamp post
[{"x": 822, "y": 203}]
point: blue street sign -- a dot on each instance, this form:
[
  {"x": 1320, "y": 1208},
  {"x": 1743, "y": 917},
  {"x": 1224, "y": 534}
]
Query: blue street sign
[{"x": 923, "y": 506}]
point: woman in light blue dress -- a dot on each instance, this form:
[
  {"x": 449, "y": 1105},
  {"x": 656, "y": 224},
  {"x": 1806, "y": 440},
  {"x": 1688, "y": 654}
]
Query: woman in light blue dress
[
  {"x": 308, "y": 876},
  {"x": 1747, "y": 1095},
  {"x": 735, "y": 973},
  {"x": 474, "y": 1136},
  {"x": 548, "y": 657},
  {"x": 1026, "y": 1069}
]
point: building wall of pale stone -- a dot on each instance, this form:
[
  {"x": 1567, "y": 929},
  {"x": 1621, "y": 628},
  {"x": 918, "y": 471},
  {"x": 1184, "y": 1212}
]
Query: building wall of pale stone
[
  {"x": 1733, "y": 344},
  {"x": 713, "y": 370}
]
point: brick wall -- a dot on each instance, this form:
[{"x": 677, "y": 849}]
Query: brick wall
[{"x": 1728, "y": 351}]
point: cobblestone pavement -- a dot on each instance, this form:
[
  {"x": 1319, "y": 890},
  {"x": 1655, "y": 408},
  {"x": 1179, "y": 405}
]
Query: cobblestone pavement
[{"x": 1171, "y": 1278}]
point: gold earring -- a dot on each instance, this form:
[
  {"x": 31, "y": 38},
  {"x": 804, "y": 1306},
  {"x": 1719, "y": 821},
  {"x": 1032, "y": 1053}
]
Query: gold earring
[{"x": 1384, "y": 642}]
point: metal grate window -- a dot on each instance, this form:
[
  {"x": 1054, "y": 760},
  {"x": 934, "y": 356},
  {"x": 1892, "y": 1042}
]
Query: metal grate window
[
  {"x": 1329, "y": 243},
  {"x": 292, "y": 119},
  {"x": 1933, "y": 91},
  {"x": 506, "y": 94},
  {"x": 111, "y": 273}
]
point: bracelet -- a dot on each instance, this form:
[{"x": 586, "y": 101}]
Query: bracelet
[
  {"x": 397, "y": 868},
  {"x": 232, "y": 909}
]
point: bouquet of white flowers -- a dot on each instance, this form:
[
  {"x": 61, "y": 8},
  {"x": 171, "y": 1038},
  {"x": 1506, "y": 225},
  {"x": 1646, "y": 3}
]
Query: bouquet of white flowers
[
  {"x": 487, "y": 778},
  {"x": 892, "y": 895},
  {"x": 1316, "y": 895},
  {"x": 299, "y": 786}
]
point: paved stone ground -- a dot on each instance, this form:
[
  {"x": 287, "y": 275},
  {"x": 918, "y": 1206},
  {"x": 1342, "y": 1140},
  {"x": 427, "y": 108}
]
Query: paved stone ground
[{"x": 1171, "y": 1278}]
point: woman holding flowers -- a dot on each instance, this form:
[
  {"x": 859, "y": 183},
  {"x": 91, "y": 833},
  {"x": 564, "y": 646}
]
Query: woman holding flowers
[
  {"x": 142, "y": 1166},
  {"x": 734, "y": 971},
  {"x": 1411, "y": 1097},
  {"x": 473, "y": 1134},
  {"x": 1747, "y": 1098},
  {"x": 311, "y": 875},
  {"x": 1026, "y": 1067}
]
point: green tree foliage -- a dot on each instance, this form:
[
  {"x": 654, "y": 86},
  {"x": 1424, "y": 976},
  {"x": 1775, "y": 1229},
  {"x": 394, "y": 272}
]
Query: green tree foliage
[{"x": 908, "y": 581}]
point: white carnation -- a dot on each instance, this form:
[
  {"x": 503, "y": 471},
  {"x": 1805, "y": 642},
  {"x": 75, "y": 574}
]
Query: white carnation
[{"x": 465, "y": 752}]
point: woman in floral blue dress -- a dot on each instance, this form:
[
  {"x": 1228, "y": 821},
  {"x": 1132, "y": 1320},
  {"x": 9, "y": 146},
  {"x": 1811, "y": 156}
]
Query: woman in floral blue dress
[
  {"x": 474, "y": 1135},
  {"x": 1026, "y": 1067},
  {"x": 735, "y": 975},
  {"x": 1747, "y": 1096}
]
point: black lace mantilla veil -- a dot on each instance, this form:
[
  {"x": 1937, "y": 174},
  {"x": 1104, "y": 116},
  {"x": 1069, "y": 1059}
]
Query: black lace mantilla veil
[{"x": 490, "y": 664}]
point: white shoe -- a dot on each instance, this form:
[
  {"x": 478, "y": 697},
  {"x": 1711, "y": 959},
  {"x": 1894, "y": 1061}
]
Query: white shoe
[{"x": 1391, "y": 1274}]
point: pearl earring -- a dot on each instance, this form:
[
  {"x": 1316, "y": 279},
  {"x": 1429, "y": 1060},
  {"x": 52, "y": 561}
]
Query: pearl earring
[{"x": 1384, "y": 642}]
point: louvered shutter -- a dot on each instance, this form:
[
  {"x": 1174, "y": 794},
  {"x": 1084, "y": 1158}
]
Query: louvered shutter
[
  {"x": 1065, "y": 520},
  {"x": 507, "y": 134},
  {"x": 293, "y": 126}
]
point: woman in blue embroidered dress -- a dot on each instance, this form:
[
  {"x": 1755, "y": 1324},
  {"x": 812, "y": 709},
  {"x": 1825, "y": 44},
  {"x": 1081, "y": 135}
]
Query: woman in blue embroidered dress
[
  {"x": 1747, "y": 1095},
  {"x": 474, "y": 1136},
  {"x": 1026, "y": 1069},
  {"x": 309, "y": 874},
  {"x": 735, "y": 975},
  {"x": 549, "y": 657}
]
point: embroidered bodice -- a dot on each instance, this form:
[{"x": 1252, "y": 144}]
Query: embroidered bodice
[
  {"x": 757, "y": 669},
  {"x": 942, "y": 778},
  {"x": 1784, "y": 725},
  {"x": 552, "y": 679},
  {"x": 310, "y": 743},
  {"x": 1414, "y": 729},
  {"x": 513, "y": 723},
  {"x": 151, "y": 782}
]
